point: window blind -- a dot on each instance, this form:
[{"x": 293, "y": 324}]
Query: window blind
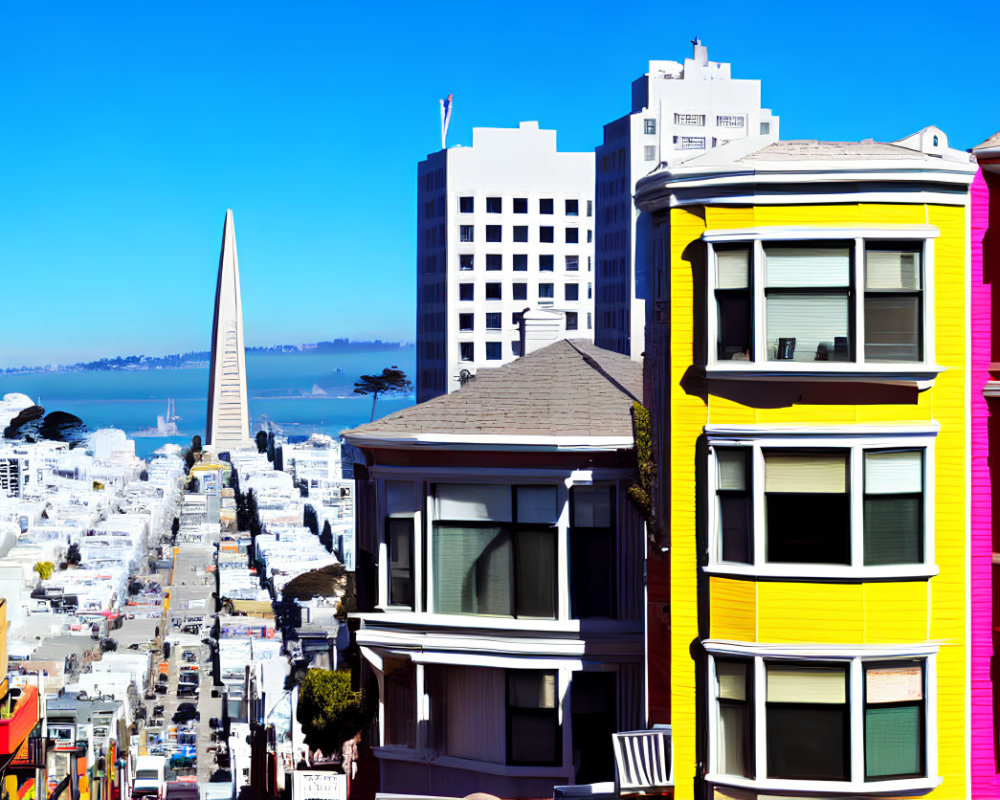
[
  {"x": 808, "y": 266},
  {"x": 732, "y": 268},
  {"x": 399, "y": 498},
  {"x": 531, "y": 689},
  {"x": 892, "y": 327},
  {"x": 893, "y": 741},
  {"x": 473, "y": 571},
  {"x": 732, "y": 679},
  {"x": 591, "y": 506},
  {"x": 472, "y": 502},
  {"x": 809, "y": 319},
  {"x": 895, "y": 684},
  {"x": 806, "y": 473},
  {"x": 894, "y": 472},
  {"x": 893, "y": 530},
  {"x": 732, "y": 464},
  {"x": 811, "y": 685},
  {"x": 732, "y": 741},
  {"x": 892, "y": 270},
  {"x": 537, "y": 504}
]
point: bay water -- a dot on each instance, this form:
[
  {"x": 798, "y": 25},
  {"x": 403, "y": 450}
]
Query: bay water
[{"x": 297, "y": 393}]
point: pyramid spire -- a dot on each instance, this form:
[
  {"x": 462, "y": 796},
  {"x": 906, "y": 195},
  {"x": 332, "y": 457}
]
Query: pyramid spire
[{"x": 228, "y": 417}]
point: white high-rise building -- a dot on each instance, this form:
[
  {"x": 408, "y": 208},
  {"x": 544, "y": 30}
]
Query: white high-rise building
[
  {"x": 502, "y": 226},
  {"x": 678, "y": 111}
]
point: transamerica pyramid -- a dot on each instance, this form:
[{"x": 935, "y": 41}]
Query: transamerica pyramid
[{"x": 228, "y": 417}]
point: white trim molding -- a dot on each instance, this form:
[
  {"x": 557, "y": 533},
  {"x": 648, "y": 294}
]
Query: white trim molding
[
  {"x": 854, "y": 442},
  {"x": 854, "y": 657},
  {"x": 779, "y": 233},
  {"x": 760, "y": 362}
]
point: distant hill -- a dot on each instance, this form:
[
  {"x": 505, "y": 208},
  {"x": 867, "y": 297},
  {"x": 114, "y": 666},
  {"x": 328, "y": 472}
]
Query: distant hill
[{"x": 202, "y": 357}]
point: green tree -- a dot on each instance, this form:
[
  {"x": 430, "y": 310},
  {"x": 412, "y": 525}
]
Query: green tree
[
  {"x": 392, "y": 380},
  {"x": 44, "y": 569},
  {"x": 329, "y": 711},
  {"x": 261, "y": 439}
]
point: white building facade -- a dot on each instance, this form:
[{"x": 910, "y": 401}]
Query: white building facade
[
  {"x": 678, "y": 111},
  {"x": 503, "y": 226}
]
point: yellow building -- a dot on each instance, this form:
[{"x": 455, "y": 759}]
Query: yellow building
[{"x": 807, "y": 375}]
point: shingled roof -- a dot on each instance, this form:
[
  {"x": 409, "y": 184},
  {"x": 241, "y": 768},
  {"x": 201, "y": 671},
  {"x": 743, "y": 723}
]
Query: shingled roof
[
  {"x": 570, "y": 389},
  {"x": 809, "y": 149}
]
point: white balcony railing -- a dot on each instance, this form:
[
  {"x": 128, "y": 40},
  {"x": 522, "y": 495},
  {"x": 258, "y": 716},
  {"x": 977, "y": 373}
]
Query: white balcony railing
[{"x": 644, "y": 761}]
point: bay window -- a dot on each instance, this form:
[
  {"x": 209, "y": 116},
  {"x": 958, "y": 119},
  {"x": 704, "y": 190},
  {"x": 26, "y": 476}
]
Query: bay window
[
  {"x": 848, "y": 721},
  {"x": 494, "y": 550},
  {"x": 794, "y": 509},
  {"x": 859, "y": 299}
]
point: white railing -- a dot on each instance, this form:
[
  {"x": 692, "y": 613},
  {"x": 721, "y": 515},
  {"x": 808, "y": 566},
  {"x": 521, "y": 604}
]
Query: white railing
[{"x": 644, "y": 761}]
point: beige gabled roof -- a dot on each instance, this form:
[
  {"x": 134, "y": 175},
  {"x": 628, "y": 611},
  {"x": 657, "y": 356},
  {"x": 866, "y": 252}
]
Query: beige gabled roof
[
  {"x": 568, "y": 389},
  {"x": 810, "y": 149},
  {"x": 991, "y": 144}
]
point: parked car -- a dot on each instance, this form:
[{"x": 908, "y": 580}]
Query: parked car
[
  {"x": 187, "y": 690},
  {"x": 186, "y": 712}
]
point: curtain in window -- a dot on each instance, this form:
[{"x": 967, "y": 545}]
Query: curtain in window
[
  {"x": 472, "y": 502},
  {"x": 400, "y": 703},
  {"x": 475, "y": 710},
  {"x": 733, "y": 745},
  {"x": 893, "y": 507},
  {"x": 473, "y": 570}
]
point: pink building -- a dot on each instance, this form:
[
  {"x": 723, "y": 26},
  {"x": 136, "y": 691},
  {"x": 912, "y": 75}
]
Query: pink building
[{"x": 985, "y": 435}]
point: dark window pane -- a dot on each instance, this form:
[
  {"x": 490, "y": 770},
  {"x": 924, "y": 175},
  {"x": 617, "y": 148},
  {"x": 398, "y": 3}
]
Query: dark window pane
[
  {"x": 591, "y": 572},
  {"x": 894, "y": 529},
  {"x": 400, "y": 541},
  {"x": 808, "y": 528},
  {"x": 807, "y": 742},
  {"x": 892, "y": 327},
  {"x": 894, "y": 741},
  {"x": 535, "y": 557},
  {"x": 737, "y": 516},
  {"x": 533, "y": 733},
  {"x": 734, "y": 325},
  {"x": 520, "y": 205}
]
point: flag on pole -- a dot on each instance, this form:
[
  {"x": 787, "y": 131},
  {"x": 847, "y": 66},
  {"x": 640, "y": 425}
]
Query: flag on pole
[{"x": 445, "y": 119}]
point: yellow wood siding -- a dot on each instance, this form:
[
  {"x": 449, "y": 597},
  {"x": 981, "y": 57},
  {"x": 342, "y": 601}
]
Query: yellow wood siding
[{"x": 812, "y": 613}]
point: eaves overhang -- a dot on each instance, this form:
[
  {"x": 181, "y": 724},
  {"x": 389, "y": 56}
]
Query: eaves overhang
[
  {"x": 494, "y": 442},
  {"x": 900, "y": 180}
]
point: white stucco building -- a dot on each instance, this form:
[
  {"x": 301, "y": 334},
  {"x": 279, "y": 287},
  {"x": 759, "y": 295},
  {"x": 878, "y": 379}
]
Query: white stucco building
[
  {"x": 503, "y": 226},
  {"x": 678, "y": 111}
]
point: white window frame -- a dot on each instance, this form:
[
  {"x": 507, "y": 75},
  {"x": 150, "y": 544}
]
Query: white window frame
[
  {"x": 849, "y": 438},
  {"x": 923, "y": 372},
  {"x": 855, "y": 657}
]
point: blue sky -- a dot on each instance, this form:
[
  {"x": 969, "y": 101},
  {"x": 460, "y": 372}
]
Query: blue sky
[{"x": 128, "y": 128}]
